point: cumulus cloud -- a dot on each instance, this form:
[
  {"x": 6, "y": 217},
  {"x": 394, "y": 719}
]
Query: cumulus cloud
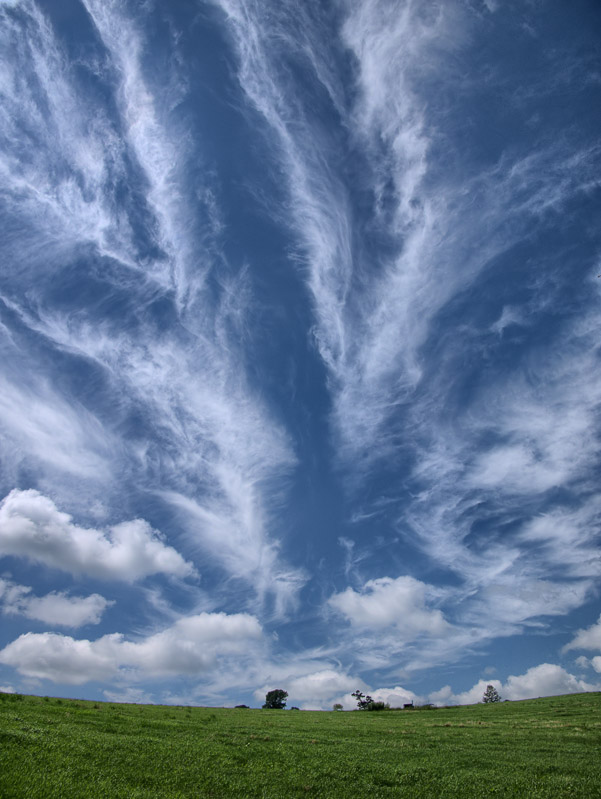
[
  {"x": 320, "y": 688},
  {"x": 395, "y": 697},
  {"x": 547, "y": 679},
  {"x": 57, "y": 608},
  {"x": 385, "y": 602},
  {"x": 191, "y": 646},
  {"x": 589, "y": 638},
  {"x": 31, "y": 526}
]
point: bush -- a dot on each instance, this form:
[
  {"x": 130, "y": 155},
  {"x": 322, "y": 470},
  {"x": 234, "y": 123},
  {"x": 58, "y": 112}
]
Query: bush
[
  {"x": 244, "y": 706},
  {"x": 377, "y": 706}
]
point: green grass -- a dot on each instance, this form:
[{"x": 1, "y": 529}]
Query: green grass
[{"x": 65, "y": 748}]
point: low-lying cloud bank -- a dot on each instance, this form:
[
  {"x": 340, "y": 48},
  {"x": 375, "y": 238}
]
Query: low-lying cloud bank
[
  {"x": 192, "y": 646},
  {"x": 317, "y": 691},
  {"x": 546, "y": 679}
]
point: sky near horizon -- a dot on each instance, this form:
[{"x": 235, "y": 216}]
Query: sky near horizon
[{"x": 299, "y": 349}]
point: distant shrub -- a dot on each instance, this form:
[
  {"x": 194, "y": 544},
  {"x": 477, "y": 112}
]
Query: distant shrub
[
  {"x": 337, "y": 706},
  {"x": 243, "y": 706},
  {"x": 377, "y": 706},
  {"x": 295, "y": 708}
]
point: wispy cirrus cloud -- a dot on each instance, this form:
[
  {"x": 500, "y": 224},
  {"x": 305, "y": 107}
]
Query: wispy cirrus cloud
[
  {"x": 374, "y": 312},
  {"x": 439, "y": 224},
  {"x": 60, "y": 163},
  {"x": 168, "y": 404}
]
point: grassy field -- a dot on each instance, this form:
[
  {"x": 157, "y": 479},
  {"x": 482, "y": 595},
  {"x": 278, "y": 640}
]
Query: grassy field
[{"x": 65, "y": 748}]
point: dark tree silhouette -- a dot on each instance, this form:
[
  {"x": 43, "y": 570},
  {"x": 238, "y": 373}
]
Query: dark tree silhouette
[
  {"x": 362, "y": 700},
  {"x": 491, "y": 695},
  {"x": 276, "y": 699}
]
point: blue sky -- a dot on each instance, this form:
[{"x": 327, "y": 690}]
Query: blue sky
[{"x": 299, "y": 330}]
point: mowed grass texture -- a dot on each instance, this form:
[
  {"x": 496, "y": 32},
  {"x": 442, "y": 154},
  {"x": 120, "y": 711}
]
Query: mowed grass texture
[{"x": 65, "y": 748}]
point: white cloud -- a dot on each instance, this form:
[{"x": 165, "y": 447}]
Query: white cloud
[
  {"x": 547, "y": 679},
  {"x": 544, "y": 680},
  {"x": 157, "y": 150},
  {"x": 596, "y": 663},
  {"x": 60, "y": 184},
  {"x": 320, "y": 688},
  {"x": 586, "y": 639},
  {"x": 400, "y": 603},
  {"x": 395, "y": 697},
  {"x": 448, "y": 233},
  {"x": 192, "y": 646},
  {"x": 57, "y": 608},
  {"x": 491, "y": 5},
  {"x": 31, "y": 526},
  {"x": 567, "y": 536},
  {"x": 509, "y": 316},
  {"x": 442, "y": 696},
  {"x": 473, "y": 695},
  {"x": 525, "y": 432},
  {"x": 59, "y": 435},
  {"x": 516, "y": 599},
  {"x": 222, "y": 456},
  {"x": 130, "y": 695}
]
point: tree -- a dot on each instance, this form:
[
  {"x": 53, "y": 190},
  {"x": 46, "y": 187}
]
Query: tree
[
  {"x": 491, "y": 695},
  {"x": 362, "y": 700},
  {"x": 276, "y": 699},
  {"x": 337, "y": 706}
]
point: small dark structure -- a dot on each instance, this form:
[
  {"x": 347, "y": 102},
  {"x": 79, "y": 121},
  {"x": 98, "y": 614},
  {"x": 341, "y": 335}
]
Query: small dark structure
[{"x": 408, "y": 706}]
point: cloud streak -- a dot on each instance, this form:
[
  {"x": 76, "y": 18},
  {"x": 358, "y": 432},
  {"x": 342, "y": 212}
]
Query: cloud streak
[{"x": 207, "y": 443}]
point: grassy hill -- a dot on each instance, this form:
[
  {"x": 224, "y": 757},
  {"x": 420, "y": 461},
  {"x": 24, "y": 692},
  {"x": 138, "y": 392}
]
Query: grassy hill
[{"x": 68, "y": 748}]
